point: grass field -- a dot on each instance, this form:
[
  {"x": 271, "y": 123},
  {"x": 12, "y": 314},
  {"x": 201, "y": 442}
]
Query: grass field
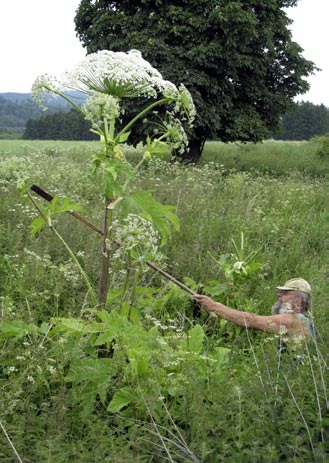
[{"x": 178, "y": 385}]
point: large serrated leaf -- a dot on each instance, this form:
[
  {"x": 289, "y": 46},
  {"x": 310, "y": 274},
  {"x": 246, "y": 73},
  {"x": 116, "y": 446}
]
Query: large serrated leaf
[{"x": 161, "y": 216}]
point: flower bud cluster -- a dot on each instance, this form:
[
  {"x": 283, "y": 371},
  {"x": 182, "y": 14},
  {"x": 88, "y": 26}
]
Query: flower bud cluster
[
  {"x": 99, "y": 107},
  {"x": 137, "y": 237}
]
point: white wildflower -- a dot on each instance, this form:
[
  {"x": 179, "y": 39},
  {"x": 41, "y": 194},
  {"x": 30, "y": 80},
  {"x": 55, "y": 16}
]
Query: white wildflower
[
  {"x": 120, "y": 75},
  {"x": 12, "y": 369},
  {"x": 51, "y": 369},
  {"x": 175, "y": 133},
  {"x": 135, "y": 234}
]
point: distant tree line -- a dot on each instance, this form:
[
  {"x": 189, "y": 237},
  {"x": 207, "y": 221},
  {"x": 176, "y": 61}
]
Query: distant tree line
[
  {"x": 306, "y": 121},
  {"x": 21, "y": 117},
  {"x": 69, "y": 125}
]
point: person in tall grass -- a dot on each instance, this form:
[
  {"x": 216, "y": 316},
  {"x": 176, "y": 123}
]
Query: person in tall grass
[{"x": 289, "y": 315}]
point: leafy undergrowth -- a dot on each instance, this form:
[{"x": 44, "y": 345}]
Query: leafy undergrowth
[{"x": 153, "y": 378}]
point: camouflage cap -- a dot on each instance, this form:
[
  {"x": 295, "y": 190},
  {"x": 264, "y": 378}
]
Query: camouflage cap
[{"x": 296, "y": 284}]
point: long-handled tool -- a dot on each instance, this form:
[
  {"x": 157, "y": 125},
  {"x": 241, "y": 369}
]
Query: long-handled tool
[
  {"x": 171, "y": 278},
  {"x": 39, "y": 191}
]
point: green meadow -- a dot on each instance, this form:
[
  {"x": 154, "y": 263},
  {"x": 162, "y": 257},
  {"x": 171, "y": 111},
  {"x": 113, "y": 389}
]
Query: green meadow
[{"x": 174, "y": 384}]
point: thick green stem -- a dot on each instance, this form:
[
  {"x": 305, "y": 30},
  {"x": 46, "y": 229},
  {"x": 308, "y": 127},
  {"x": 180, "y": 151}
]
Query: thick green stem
[
  {"x": 141, "y": 114},
  {"x": 103, "y": 285}
]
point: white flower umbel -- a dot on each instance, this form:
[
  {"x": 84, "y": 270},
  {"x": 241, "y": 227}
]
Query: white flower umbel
[
  {"x": 107, "y": 77},
  {"x": 123, "y": 75}
]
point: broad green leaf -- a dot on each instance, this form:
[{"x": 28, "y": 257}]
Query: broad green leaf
[
  {"x": 69, "y": 325},
  {"x": 109, "y": 187},
  {"x": 106, "y": 336},
  {"x": 113, "y": 325},
  {"x": 123, "y": 137},
  {"x": 139, "y": 362},
  {"x": 16, "y": 328},
  {"x": 221, "y": 355},
  {"x": 57, "y": 205},
  {"x": 63, "y": 205},
  {"x": 75, "y": 326},
  {"x": 114, "y": 171},
  {"x": 161, "y": 216},
  {"x": 37, "y": 225},
  {"x": 159, "y": 149},
  {"x": 94, "y": 372},
  {"x": 121, "y": 399},
  {"x": 195, "y": 339}
]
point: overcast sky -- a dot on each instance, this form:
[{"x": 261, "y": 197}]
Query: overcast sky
[{"x": 38, "y": 37}]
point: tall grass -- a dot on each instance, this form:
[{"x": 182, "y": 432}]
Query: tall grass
[
  {"x": 272, "y": 157},
  {"x": 232, "y": 403}
]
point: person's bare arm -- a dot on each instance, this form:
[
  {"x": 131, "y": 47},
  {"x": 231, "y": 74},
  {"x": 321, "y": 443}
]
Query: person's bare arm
[{"x": 268, "y": 323}]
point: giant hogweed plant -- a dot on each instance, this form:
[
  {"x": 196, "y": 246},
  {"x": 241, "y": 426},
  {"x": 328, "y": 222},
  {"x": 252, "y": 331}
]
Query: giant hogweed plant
[{"x": 107, "y": 79}]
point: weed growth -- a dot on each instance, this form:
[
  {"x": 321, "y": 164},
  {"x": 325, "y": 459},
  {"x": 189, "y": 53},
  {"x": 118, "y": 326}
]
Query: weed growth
[{"x": 156, "y": 379}]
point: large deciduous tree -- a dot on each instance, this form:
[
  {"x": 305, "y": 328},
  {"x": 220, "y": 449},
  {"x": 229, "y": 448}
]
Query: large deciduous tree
[{"x": 236, "y": 57}]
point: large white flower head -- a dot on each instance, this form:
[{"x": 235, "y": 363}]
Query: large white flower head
[
  {"x": 107, "y": 77},
  {"x": 123, "y": 75}
]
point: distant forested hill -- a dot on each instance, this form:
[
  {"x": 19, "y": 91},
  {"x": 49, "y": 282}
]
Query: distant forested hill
[{"x": 17, "y": 108}]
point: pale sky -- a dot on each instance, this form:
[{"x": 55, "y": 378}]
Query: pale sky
[{"x": 38, "y": 37}]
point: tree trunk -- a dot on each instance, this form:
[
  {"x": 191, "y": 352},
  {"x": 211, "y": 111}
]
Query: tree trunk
[{"x": 193, "y": 155}]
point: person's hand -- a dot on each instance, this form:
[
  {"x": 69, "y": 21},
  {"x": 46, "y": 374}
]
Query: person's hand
[{"x": 205, "y": 301}]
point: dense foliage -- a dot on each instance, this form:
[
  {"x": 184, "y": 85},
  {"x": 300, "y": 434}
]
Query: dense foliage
[
  {"x": 237, "y": 58},
  {"x": 156, "y": 379}
]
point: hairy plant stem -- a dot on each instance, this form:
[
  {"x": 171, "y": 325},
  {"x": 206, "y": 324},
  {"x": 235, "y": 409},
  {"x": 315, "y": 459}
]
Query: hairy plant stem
[{"x": 103, "y": 284}]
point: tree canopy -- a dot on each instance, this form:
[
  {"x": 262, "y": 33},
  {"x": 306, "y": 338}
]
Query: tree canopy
[{"x": 237, "y": 58}]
